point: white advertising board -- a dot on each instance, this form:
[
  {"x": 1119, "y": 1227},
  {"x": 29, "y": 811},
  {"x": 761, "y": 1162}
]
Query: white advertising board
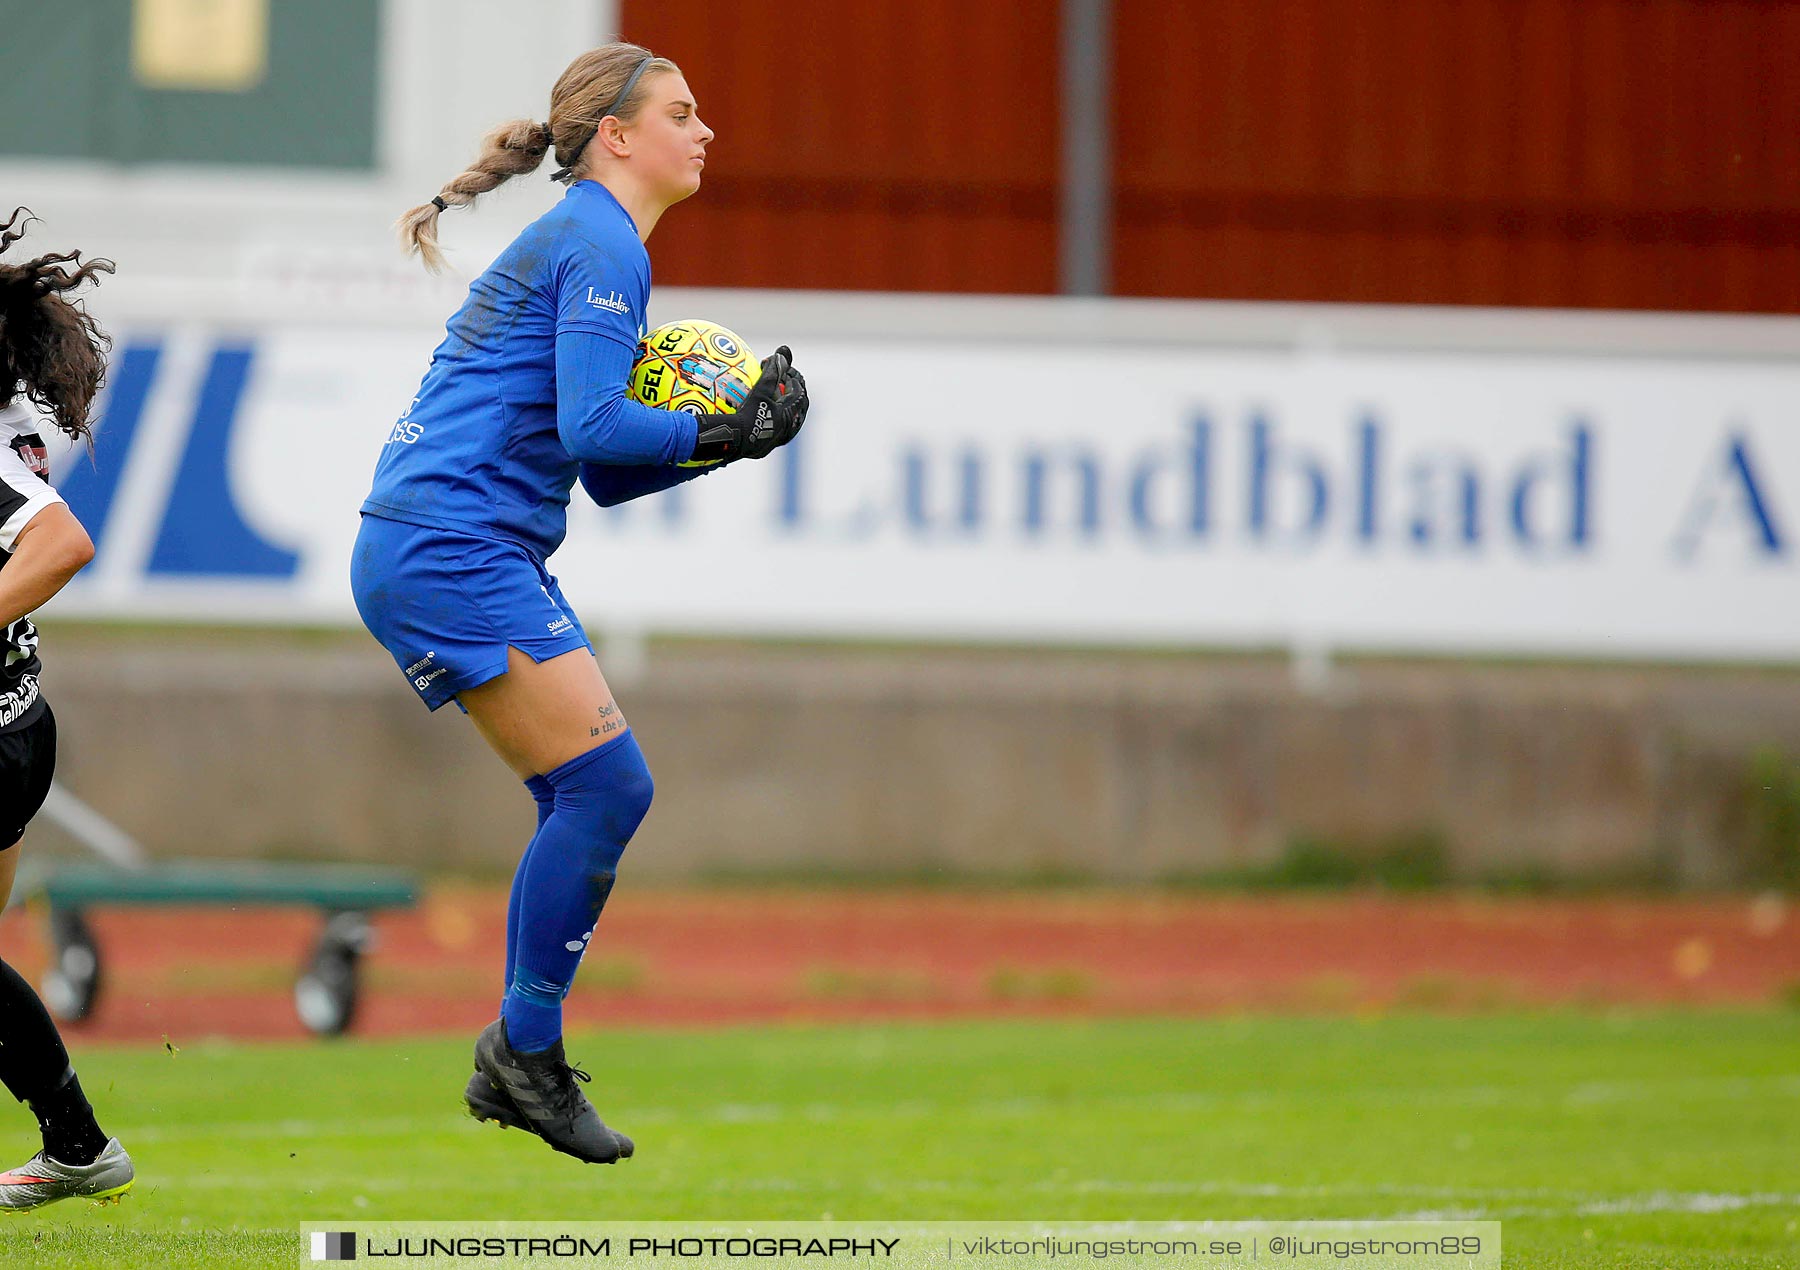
[{"x": 1010, "y": 482}]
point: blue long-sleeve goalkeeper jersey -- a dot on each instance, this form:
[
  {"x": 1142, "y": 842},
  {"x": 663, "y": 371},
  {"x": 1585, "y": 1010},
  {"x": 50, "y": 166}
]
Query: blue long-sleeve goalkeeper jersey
[{"x": 529, "y": 385}]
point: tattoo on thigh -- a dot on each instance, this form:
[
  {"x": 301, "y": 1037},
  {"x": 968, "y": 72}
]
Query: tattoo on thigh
[{"x": 611, "y": 720}]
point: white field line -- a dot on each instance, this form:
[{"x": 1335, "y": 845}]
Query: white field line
[
  {"x": 280, "y": 1131},
  {"x": 1705, "y": 1202},
  {"x": 1462, "y": 1206},
  {"x": 1573, "y": 1204},
  {"x": 1587, "y": 1094}
]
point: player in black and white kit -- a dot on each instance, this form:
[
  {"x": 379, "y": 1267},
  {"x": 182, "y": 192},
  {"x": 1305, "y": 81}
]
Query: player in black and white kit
[{"x": 52, "y": 356}]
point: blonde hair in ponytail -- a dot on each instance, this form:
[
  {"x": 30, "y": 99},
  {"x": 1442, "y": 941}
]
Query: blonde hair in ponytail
[{"x": 592, "y": 82}]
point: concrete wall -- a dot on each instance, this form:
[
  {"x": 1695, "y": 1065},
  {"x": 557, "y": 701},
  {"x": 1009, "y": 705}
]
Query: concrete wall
[{"x": 863, "y": 761}]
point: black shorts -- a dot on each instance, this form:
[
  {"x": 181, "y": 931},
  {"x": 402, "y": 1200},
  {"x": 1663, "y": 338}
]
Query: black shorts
[{"x": 27, "y": 762}]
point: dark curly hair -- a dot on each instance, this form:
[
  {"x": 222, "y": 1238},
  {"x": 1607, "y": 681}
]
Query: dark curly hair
[{"x": 51, "y": 349}]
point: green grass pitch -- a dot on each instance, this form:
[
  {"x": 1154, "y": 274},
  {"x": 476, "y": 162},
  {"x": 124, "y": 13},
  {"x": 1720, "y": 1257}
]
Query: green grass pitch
[{"x": 1598, "y": 1139}]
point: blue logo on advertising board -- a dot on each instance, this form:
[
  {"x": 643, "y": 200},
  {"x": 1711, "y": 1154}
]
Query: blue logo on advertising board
[{"x": 201, "y": 532}]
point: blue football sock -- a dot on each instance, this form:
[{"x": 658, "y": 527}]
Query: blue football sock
[
  {"x": 600, "y": 799},
  {"x": 545, "y": 794}
]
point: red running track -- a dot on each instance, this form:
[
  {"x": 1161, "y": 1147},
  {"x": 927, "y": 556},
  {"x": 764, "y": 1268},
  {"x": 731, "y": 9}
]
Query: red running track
[{"x": 691, "y": 958}]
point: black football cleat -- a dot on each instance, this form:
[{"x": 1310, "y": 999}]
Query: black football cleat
[
  {"x": 546, "y": 1097},
  {"x": 488, "y": 1105}
]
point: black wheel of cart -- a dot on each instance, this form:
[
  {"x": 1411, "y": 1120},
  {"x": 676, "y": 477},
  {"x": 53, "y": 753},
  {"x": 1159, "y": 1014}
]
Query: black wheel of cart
[
  {"x": 325, "y": 995},
  {"x": 72, "y": 983}
]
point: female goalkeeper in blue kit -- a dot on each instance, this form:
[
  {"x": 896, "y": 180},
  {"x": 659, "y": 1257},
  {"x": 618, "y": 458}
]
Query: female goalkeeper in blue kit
[{"x": 526, "y": 394}]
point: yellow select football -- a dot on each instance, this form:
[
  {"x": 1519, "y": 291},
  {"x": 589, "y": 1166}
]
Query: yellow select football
[{"x": 696, "y": 366}]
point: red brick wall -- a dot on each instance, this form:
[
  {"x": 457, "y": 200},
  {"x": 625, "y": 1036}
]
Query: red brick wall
[{"x": 1589, "y": 153}]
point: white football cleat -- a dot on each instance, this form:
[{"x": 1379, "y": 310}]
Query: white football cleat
[{"x": 43, "y": 1180}]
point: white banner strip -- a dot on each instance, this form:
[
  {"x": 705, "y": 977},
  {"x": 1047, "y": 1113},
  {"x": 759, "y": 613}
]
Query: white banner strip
[{"x": 1151, "y": 490}]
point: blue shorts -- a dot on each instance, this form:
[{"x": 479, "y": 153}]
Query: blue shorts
[{"x": 447, "y": 605}]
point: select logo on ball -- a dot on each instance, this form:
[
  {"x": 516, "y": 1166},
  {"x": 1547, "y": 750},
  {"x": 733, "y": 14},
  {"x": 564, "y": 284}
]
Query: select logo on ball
[{"x": 694, "y": 366}]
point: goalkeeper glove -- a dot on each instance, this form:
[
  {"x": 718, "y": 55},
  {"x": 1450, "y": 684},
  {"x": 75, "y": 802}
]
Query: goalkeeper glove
[{"x": 771, "y": 415}]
